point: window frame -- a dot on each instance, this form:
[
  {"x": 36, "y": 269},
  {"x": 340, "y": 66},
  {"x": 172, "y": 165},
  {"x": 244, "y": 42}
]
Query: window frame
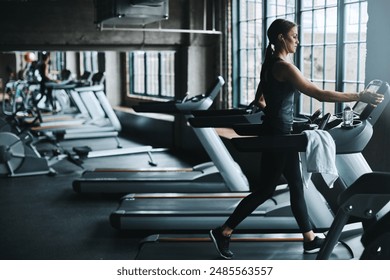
[
  {"x": 339, "y": 79},
  {"x": 162, "y": 74},
  {"x": 89, "y": 61}
]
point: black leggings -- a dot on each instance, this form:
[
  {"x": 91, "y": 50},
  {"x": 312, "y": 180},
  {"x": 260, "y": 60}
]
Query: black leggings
[{"x": 273, "y": 165}]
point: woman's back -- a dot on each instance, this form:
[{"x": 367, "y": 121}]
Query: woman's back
[{"x": 279, "y": 97}]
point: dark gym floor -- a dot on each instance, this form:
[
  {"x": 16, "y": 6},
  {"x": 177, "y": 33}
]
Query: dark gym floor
[{"x": 41, "y": 217}]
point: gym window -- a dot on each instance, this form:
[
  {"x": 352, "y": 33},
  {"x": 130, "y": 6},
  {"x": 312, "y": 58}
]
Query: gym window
[
  {"x": 254, "y": 17},
  {"x": 152, "y": 74},
  {"x": 59, "y": 62},
  {"x": 250, "y": 41},
  {"x": 333, "y": 48},
  {"x": 89, "y": 61},
  {"x": 331, "y": 51}
]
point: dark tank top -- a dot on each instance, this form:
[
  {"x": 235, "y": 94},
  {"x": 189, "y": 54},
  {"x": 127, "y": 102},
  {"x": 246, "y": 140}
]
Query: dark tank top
[{"x": 279, "y": 98}]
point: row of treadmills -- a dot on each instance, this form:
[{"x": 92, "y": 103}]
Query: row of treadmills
[
  {"x": 84, "y": 112},
  {"x": 177, "y": 207}
]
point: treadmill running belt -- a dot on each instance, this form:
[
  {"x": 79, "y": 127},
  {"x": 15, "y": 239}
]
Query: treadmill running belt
[
  {"x": 261, "y": 248},
  {"x": 170, "y": 213}
]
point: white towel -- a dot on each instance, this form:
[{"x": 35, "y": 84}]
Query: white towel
[{"x": 320, "y": 157}]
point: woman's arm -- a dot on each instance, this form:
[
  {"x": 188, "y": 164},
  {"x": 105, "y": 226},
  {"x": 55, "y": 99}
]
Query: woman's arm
[
  {"x": 259, "y": 98},
  {"x": 47, "y": 74},
  {"x": 46, "y": 71},
  {"x": 284, "y": 71}
]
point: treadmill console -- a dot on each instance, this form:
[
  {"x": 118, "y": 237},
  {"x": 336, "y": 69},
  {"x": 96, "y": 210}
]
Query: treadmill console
[
  {"x": 368, "y": 112},
  {"x": 354, "y": 139}
]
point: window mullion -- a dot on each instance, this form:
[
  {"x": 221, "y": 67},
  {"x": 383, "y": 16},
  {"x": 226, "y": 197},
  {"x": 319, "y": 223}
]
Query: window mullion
[
  {"x": 145, "y": 74},
  {"x": 236, "y": 49},
  {"x": 312, "y": 52},
  {"x": 358, "y": 48},
  {"x": 340, "y": 51},
  {"x": 264, "y": 29},
  {"x": 131, "y": 71},
  {"x": 159, "y": 74},
  {"x": 298, "y": 56}
]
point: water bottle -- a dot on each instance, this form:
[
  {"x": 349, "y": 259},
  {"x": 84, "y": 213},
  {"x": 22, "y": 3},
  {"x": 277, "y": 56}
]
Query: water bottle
[{"x": 347, "y": 116}]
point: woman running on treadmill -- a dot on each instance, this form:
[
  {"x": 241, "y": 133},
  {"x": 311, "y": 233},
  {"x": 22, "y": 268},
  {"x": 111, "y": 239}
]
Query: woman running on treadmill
[
  {"x": 279, "y": 80},
  {"x": 45, "y": 78}
]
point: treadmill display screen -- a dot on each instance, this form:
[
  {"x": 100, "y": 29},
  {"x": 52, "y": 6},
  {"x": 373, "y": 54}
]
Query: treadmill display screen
[{"x": 359, "y": 106}]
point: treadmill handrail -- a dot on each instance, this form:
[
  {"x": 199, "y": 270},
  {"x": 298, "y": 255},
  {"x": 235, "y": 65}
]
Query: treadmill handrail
[
  {"x": 90, "y": 88},
  {"x": 292, "y": 142},
  {"x": 219, "y": 113},
  {"x": 227, "y": 120},
  {"x": 185, "y": 105},
  {"x": 60, "y": 85},
  {"x": 363, "y": 199},
  {"x": 215, "y": 90}
]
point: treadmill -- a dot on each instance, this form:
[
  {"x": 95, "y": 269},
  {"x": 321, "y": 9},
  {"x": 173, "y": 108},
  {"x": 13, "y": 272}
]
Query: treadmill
[
  {"x": 222, "y": 174},
  {"x": 67, "y": 116},
  {"x": 97, "y": 120},
  {"x": 183, "y": 211}
]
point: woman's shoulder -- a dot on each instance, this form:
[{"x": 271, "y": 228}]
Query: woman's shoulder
[
  {"x": 282, "y": 63},
  {"x": 284, "y": 67}
]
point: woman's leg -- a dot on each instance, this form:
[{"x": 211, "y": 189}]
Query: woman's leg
[
  {"x": 271, "y": 170},
  {"x": 292, "y": 173},
  {"x": 272, "y": 165}
]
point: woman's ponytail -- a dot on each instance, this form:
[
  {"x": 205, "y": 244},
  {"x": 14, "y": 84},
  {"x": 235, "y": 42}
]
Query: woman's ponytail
[{"x": 268, "y": 56}]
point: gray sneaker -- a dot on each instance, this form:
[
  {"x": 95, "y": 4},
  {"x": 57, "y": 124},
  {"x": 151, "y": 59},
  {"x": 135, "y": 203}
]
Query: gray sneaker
[
  {"x": 221, "y": 243},
  {"x": 311, "y": 247}
]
